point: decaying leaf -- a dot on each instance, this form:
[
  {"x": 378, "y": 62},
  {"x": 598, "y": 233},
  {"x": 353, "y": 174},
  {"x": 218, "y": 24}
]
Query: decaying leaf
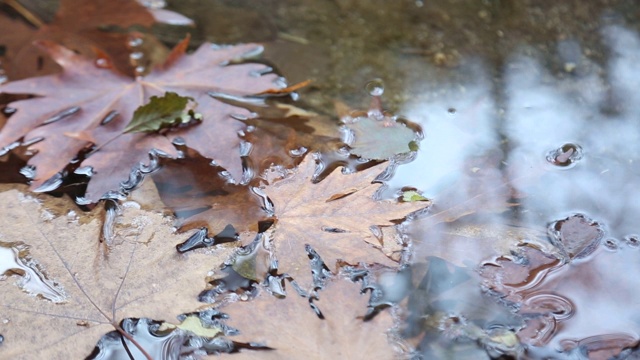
[
  {"x": 93, "y": 104},
  {"x": 85, "y": 26},
  {"x": 294, "y": 331},
  {"x": 334, "y": 216},
  {"x": 200, "y": 195},
  {"x": 379, "y": 139},
  {"x": 377, "y": 134},
  {"x": 560, "y": 293},
  {"x": 141, "y": 276}
]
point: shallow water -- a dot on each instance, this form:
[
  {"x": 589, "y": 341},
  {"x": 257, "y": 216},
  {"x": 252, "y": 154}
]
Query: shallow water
[{"x": 529, "y": 114}]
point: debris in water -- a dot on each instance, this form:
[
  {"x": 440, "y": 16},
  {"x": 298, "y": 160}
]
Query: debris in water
[
  {"x": 565, "y": 156},
  {"x": 576, "y": 236}
]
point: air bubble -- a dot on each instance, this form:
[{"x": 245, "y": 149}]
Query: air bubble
[
  {"x": 375, "y": 87},
  {"x": 140, "y": 70},
  {"x": 102, "y": 63},
  {"x": 298, "y": 152},
  {"x": 611, "y": 244},
  {"x": 135, "y": 42},
  {"x": 632, "y": 240},
  {"x": 136, "y": 55}
]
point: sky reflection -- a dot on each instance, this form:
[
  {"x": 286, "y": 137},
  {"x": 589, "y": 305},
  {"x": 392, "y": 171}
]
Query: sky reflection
[{"x": 493, "y": 150}]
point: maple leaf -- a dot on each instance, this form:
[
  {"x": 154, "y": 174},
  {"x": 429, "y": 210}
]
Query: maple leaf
[
  {"x": 335, "y": 217},
  {"x": 200, "y": 195},
  {"x": 91, "y": 104},
  {"x": 142, "y": 276},
  {"x": 294, "y": 331},
  {"x": 84, "y": 26}
]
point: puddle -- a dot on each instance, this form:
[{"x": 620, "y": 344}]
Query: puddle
[{"x": 529, "y": 112}]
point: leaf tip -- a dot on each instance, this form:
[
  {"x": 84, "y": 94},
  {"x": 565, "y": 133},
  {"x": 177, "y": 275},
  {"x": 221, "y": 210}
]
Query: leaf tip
[{"x": 177, "y": 52}]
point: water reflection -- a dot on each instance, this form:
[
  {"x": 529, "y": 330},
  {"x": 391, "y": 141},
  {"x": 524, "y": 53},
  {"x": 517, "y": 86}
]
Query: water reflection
[{"x": 534, "y": 147}]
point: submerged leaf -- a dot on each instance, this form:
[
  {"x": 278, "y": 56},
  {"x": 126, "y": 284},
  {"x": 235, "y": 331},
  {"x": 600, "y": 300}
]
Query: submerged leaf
[
  {"x": 379, "y": 140},
  {"x": 159, "y": 112}
]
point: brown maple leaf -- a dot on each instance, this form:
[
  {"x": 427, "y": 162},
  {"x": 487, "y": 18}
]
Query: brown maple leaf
[
  {"x": 142, "y": 276},
  {"x": 294, "y": 331},
  {"x": 336, "y": 217},
  {"x": 199, "y": 195},
  {"x": 84, "y": 26},
  {"x": 71, "y": 110}
]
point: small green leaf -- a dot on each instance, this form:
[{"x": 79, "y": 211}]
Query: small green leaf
[
  {"x": 412, "y": 196},
  {"x": 159, "y": 112}
]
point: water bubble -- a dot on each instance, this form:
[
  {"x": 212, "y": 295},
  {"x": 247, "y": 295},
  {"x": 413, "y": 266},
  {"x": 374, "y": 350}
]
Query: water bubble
[
  {"x": 375, "y": 87},
  {"x": 135, "y": 42},
  {"x": 140, "y": 70},
  {"x": 611, "y": 244},
  {"x": 102, "y": 63},
  {"x": 632, "y": 240},
  {"x": 565, "y": 156},
  {"x": 136, "y": 55},
  {"x": 298, "y": 152}
]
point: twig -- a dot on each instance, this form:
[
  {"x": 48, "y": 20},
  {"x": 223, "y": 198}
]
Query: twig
[{"x": 25, "y": 13}]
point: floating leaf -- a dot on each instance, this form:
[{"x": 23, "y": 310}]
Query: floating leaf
[
  {"x": 294, "y": 331},
  {"x": 141, "y": 276},
  {"x": 159, "y": 112},
  {"x": 91, "y": 104},
  {"x": 335, "y": 217}
]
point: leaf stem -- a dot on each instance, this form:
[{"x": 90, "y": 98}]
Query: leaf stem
[
  {"x": 132, "y": 340},
  {"x": 25, "y": 13}
]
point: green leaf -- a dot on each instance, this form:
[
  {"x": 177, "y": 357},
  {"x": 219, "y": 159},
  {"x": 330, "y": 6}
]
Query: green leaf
[
  {"x": 412, "y": 195},
  {"x": 159, "y": 112}
]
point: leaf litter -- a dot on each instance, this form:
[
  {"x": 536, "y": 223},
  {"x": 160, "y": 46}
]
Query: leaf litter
[
  {"x": 283, "y": 199},
  {"x": 142, "y": 276},
  {"x": 84, "y": 27},
  {"x": 295, "y": 332},
  {"x": 551, "y": 289},
  {"x": 335, "y": 217},
  {"x": 59, "y": 125}
]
